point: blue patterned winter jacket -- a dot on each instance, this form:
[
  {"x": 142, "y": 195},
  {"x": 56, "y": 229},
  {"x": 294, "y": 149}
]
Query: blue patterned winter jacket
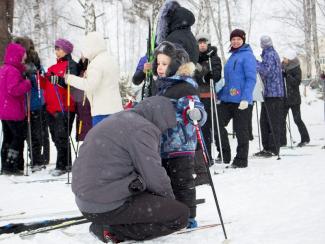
[
  {"x": 181, "y": 140},
  {"x": 240, "y": 76},
  {"x": 271, "y": 73}
]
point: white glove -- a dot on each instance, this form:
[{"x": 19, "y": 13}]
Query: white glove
[
  {"x": 243, "y": 105},
  {"x": 194, "y": 114}
]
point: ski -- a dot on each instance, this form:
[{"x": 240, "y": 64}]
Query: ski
[
  {"x": 16, "y": 228},
  {"x": 71, "y": 222},
  {"x": 6, "y": 216},
  {"x": 25, "y": 217},
  {"x": 37, "y": 181}
]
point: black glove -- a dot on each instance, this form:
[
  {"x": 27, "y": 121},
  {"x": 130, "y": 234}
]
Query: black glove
[{"x": 136, "y": 186}]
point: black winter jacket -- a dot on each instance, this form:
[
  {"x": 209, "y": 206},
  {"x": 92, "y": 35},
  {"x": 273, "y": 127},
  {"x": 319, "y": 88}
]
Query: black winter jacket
[
  {"x": 292, "y": 76},
  {"x": 203, "y": 76}
]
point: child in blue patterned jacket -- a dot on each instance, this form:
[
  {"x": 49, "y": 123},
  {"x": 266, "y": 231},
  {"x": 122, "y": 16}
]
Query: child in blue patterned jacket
[{"x": 178, "y": 144}]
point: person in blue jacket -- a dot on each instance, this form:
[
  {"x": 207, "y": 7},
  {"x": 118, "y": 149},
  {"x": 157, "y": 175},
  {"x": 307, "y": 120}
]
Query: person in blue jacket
[
  {"x": 39, "y": 126},
  {"x": 237, "y": 98},
  {"x": 271, "y": 119}
]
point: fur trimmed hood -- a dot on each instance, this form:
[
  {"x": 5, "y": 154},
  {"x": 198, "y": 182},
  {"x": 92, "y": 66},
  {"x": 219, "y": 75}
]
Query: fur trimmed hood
[{"x": 186, "y": 69}]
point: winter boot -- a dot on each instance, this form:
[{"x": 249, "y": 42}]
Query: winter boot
[
  {"x": 57, "y": 172},
  {"x": 4, "y": 153},
  {"x": 192, "y": 223},
  {"x": 103, "y": 233},
  {"x": 264, "y": 154},
  {"x": 302, "y": 143},
  {"x": 13, "y": 161}
]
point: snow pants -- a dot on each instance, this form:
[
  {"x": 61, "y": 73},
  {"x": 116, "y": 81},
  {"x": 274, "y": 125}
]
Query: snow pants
[{"x": 143, "y": 216}]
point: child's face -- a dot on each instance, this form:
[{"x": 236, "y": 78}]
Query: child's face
[
  {"x": 163, "y": 62},
  {"x": 59, "y": 52}
]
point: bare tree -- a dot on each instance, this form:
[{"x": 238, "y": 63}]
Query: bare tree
[
  {"x": 307, "y": 33},
  {"x": 315, "y": 38},
  {"x": 37, "y": 24},
  {"x": 228, "y": 16},
  {"x": 250, "y": 19},
  {"x": 203, "y": 19},
  {"x": 6, "y": 24},
  {"x": 217, "y": 27},
  {"x": 89, "y": 15}
]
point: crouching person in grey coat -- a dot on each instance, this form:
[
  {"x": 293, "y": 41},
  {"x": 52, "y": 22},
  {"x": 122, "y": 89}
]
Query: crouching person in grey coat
[{"x": 118, "y": 180}]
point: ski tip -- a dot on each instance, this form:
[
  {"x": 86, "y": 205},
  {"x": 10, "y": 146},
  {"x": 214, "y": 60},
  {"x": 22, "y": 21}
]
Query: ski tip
[{"x": 226, "y": 241}]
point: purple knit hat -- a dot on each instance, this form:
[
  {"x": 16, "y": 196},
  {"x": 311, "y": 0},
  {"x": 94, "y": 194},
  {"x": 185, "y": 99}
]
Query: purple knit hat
[{"x": 65, "y": 45}]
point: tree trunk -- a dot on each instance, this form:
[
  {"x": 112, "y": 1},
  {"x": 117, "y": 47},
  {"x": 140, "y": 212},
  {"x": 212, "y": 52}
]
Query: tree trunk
[
  {"x": 228, "y": 15},
  {"x": 307, "y": 32},
  {"x": 250, "y": 20},
  {"x": 203, "y": 20},
  {"x": 6, "y": 24},
  {"x": 217, "y": 27},
  {"x": 37, "y": 35},
  {"x": 315, "y": 39},
  {"x": 90, "y": 16}
]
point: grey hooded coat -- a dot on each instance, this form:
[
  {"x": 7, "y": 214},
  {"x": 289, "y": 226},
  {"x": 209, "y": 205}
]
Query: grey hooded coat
[{"x": 119, "y": 150}]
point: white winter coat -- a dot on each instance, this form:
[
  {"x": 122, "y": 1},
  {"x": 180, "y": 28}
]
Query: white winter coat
[{"x": 101, "y": 82}]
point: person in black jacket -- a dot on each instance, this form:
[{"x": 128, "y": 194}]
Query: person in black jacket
[
  {"x": 174, "y": 25},
  {"x": 292, "y": 78},
  {"x": 202, "y": 77}
]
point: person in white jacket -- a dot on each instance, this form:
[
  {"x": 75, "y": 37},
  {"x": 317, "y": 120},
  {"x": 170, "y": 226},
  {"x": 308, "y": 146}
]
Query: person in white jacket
[{"x": 101, "y": 80}]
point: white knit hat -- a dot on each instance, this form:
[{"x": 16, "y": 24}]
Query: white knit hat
[{"x": 290, "y": 54}]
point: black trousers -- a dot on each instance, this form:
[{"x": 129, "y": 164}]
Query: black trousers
[
  {"x": 58, "y": 124},
  {"x": 40, "y": 137},
  {"x": 207, "y": 128},
  {"x": 14, "y": 135},
  {"x": 180, "y": 171},
  {"x": 241, "y": 120},
  {"x": 295, "y": 109},
  {"x": 144, "y": 216},
  {"x": 271, "y": 120}
]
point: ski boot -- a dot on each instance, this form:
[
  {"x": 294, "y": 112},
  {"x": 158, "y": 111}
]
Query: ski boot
[
  {"x": 103, "y": 233},
  {"x": 192, "y": 223}
]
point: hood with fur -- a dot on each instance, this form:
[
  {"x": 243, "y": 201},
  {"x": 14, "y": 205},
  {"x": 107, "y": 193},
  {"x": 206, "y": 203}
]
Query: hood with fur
[{"x": 93, "y": 44}]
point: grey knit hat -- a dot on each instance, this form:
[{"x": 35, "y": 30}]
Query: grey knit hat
[{"x": 266, "y": 42}]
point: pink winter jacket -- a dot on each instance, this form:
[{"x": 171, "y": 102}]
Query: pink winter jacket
[{"x": 13, "y": 87}]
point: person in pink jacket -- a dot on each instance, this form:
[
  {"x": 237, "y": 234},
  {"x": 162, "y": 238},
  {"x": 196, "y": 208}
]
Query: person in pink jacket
[{"x": 13, "y": 90}]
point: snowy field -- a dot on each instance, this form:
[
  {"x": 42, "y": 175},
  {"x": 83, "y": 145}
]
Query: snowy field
[{"x": 271, "y": 202}]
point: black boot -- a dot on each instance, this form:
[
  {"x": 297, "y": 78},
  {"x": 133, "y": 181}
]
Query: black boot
[
  {"x": 103, "y": 233},
  {"x": 4, "y": 153},
  {"x": 14, "y": 161}
]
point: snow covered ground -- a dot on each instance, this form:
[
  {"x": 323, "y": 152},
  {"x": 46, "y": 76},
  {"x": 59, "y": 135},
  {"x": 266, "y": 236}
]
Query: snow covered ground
[{"x": 270, "y": 202}]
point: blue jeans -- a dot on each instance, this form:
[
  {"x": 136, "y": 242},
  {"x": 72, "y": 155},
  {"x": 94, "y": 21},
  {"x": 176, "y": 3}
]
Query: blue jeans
[{"x": 96, "y": 119}]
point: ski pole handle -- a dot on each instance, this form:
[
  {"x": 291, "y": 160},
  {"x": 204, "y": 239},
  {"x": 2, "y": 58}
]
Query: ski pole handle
[{"x": 191, "y": 105}]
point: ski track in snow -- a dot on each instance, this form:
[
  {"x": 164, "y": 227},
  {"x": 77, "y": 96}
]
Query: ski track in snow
[{"x": 270, "y": 202}]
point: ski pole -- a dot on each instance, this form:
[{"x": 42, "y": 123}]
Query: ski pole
[
  {"x": 199, "y": 138},
  {"x": 81, "y": 123},
  {"x": 289, "y": 129},
  {"x": 68, "y": 150},
  {"x": 62, "y": 111},
  {"x": 258, "y": 127},
  {"x": 214, "y": 106},
  {"x": 40, "y": 113},
  {"x": 29, "y": 134}
]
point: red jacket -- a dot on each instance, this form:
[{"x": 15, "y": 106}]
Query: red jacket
[{"x": 51, "y": 92}]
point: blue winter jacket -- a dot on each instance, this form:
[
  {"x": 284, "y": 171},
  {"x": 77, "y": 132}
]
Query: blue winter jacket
[
  {"x": 271, "y": 73},
  {"x": 181, "y": 140},
  {"x": 240, "y": 76}
]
